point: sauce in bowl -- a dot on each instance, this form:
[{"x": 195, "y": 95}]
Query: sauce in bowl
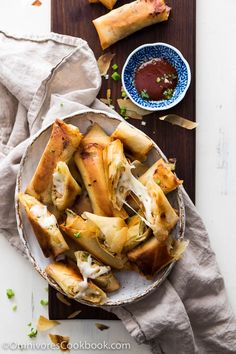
[{"x": 156, "y": 80}]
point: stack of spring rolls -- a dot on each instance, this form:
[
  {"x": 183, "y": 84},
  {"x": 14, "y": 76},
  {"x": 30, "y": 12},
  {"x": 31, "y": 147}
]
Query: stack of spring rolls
[{"x": 94, "y": 200}]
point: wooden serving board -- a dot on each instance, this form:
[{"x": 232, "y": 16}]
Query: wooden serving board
[{"x": 74, "y": 17}]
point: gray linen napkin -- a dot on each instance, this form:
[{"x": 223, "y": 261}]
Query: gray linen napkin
[{"x": 189, "y": 313}]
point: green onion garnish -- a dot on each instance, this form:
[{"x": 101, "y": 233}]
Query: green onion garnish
[
  {"x": 10, "y": 293},
  {"x": 123, "y": 111},
  {"x": 158, "y": 181},
  {"x": 114, "y": 66},
  {"x": 14, "y": 307},
  {"x": 77, "y": 234},
  {"x": 144, "y": 94},
  {"x": 115, "y": 76},
  {"x": 168, "y": 93},
  {"x": 44, "y": 302},
  {"x": 33, "y": 333}
]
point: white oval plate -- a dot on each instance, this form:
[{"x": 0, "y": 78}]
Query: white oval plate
[{"x": 133, "y": 285}]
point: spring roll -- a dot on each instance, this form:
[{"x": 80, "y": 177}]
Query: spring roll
[
  {"x": 137, "y": 232},
  {"x": 153, "y": 255},
  {"x": 129, "y": 18},
  {"x": 161, "y": 173},
  {"x": 71, "y": 282},
  {"x": 64, "y": 187},
  {"x": 113, "y": 231},
  {"x": 135, "y": 141},
  {"x": 44, "y": 225},
  {"x": 87, "y": 235},
  {"x": 63, "y": 142},
  {"x": 89, "y": 160},
  {"x": 91, "y": 268}
]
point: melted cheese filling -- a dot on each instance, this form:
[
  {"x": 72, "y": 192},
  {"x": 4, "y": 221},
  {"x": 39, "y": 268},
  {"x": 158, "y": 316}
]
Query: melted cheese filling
[
  {"x": 45, "y": 219},
  {"x": 90, "y": 271},
  {"x": 59, "y": 182},
  {"x": 128, "y": 183}
]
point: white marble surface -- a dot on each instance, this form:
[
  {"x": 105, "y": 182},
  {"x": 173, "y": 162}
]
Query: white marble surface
[{"x": 216, "y": 174}]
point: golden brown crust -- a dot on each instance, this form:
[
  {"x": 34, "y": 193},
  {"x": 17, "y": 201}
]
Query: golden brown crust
[
  {"x": 68, "y": 278},
  {"x": 161, "y": 173},
  {"x": 88, "y": 240},
  {"x": 50, "y": 240},
  {"x": 150, "y": 256},
  {"x": 63, "y": 142},
  {"x": 129, "y": 18},
  {"x": 89, "y": 160},
  {"x": 65, "y": 188},
  {"x": 136, "y": 142}
]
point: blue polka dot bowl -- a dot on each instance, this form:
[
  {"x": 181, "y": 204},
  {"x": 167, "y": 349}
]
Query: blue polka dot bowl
[{"x": 148, "y": 52}]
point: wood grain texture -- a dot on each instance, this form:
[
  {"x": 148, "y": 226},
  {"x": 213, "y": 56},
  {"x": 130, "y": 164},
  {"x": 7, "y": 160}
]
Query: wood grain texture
[{"x": 74, "y": 17}]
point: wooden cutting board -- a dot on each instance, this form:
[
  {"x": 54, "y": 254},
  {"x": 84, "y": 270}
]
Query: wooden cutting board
[{"x": 74, "y": 17}]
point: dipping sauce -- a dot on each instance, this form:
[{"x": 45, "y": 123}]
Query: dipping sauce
[{"x": 156, "y": 80}]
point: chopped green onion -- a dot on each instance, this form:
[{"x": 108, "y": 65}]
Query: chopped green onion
[
  {"x": 77, "y": 234},
  {"x": 168, "y": 93},
  {"x": 144, "y": 94},
  {"x": 10, "y": 293},
  {"x": 115, "y": 76},
  {"x": 114, "y": 66},
  {"x": 33, "y": 333},
  {"x": 123, "y": 94},
  {"x": 29, "y": 324},
  {"x": 158, "y": 181},
  {"x": 44, "y": 302},
  {"x": 122, "y": 111},
  {"x": 14, "y": 307},
  {"x": 62, "y": 104}
]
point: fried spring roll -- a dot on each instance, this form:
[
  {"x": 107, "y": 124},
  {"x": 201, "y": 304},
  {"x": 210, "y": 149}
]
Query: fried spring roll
[
  {"x": 63, "y": 142},
  {"x": 65, "y": 188},
  {"x": 86, "y": 234},
  {"x": 72, "y": 283},
  {"x": 129, "y": 18},
  {"x": 161, "y": 173},
  {"x": 44, "y": 225},
  {"x": 91, "y": 268},
  {"x": 136, "y": 142},
  {"x": 153, "y": 255},
  {"x": 89, "y": 160},
  {"x": 113, "y": 229},
  {"x": 137, "y": 232}
]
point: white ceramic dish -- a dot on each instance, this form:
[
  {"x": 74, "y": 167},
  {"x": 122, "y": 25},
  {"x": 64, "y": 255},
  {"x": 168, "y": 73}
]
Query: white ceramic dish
[{"x": 133, "y": 286}]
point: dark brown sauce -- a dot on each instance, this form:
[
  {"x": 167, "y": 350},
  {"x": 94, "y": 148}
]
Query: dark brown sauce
[{"x": 156, "y": 79}]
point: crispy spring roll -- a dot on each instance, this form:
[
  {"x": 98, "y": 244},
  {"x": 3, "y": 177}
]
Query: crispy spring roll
[
  {"x": 91, "y": 268},
  {"x": 137, "y": 232},
  {"x": 135, "y": 141},
  {"x": 153, "y": 255},
  {"x": 44, "y": 225},
  {"x": 64, "y": 187},
  {"x": 71, "y": 282},
  {"x": 113, "y": 230},
  {"x": 161, "y": 173},
  {"x": 86, "y": 234},
  {"x": 159, "y": 214},
  {"x": 163, "y": 216},
  {"x": 63, "y": 142},
  {"x": 129, "y": 18},
  {"x": 90, "y": 164},
  {"x": 89, "y": 160}
]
